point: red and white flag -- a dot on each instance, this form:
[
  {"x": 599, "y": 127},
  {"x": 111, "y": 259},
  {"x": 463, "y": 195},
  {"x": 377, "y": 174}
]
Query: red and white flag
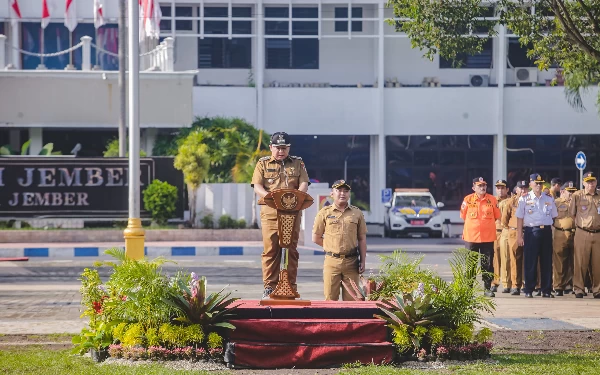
[
  {"x": 45, "y": 14},
  {"x": 99, "y": 13},
  {"x": 70, "y": 15},
  {"x": 15, "y": 12},
  {"x": 151, "y": 18}
]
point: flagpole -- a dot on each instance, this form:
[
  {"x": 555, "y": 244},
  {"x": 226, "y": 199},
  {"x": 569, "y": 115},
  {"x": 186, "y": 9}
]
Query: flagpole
[
  {"x": 42, "y": 66},
  {"x": 97, "y": 66},
  {"x": 70, "y": 66},
  {"x": 134, "y": 234}
]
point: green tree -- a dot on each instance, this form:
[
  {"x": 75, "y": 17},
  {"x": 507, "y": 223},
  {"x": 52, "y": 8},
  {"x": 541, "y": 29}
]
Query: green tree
[
  {"x": 112, "y": 149},
  {"x": 225, "y": 139},
  {"x": 559, "y": 32},
  {"x": 193, "y": 160}
]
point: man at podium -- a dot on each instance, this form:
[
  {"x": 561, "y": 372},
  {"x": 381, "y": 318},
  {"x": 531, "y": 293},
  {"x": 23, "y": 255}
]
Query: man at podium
[{"x": 278, "y": 171}]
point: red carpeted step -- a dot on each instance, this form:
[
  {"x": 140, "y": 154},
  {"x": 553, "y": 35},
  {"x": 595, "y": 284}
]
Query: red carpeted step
[
  {"x": 310, "y": 331},
  {"x": 251, "y": 309},
  {"x": 265, "y": 355}
]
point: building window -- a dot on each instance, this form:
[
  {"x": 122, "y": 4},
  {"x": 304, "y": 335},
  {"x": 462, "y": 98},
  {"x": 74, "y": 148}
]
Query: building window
[
  {"x": 180, "y": 25},
  {"x": 225, "y": 53},
  {"x": 445, "y": 165},
  {"x": 517, "y": 55},
  {"x": 298, "y": 53},
  {"x": 292, "y": 54},
  {"x": 56, "y": 38},
  {"x": 342, "y": 12},
  {"x": 481, "y": 60}
]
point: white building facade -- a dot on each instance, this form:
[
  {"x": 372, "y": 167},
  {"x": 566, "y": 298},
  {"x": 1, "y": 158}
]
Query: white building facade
[{"x": 359, "y": 102}]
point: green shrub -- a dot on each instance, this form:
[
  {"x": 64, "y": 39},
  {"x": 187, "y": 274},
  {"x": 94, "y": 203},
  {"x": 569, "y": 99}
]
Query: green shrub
[
  {"x": 484, "y": 335},
  {"x": 241, "y": 224},
  {"x": 226, "y": 222},
  {"x": 214, "y": 341},
  {"x": 400, "y": 274},
  {"x": 207, "y": 222},
  {"x": 112, "y": 149},
  {"x": 172, "y": 335},
  {"x": 160, "y": 199},
  {"x": 134, "y": 335}
]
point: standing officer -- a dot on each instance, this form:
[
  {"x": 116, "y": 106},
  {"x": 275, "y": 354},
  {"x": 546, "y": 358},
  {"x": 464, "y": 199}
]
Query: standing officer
[
  {"x": 509, "y": 222},
  {"x": 480, "y": 212},
  {"x": 585, "y": 209},
  {"x": 278, "y": 171},
  {"x": 501, "y": 265},
  {"x": 555, "y": 187},
  {"x": 535, "y": 214},
  {"x": 345, "y": 239},
  {"x": 562, "y": 242}
]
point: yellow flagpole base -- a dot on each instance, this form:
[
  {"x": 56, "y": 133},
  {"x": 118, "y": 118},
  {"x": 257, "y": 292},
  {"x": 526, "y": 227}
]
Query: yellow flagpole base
[{"x": 134, "y": 239}]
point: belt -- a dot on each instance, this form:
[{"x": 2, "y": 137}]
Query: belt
[
  {"x": 498, "y": 230},
  {"x": 341, "y": 256},
  {"x": 589, "y": 230},
  {"x": 538, "y": 226},
  {"x": 512, "y": 228},
  {"x": 566, "y": 230}
]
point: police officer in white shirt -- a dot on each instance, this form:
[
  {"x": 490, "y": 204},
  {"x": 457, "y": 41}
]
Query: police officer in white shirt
[{"x": 535, "y": 214}]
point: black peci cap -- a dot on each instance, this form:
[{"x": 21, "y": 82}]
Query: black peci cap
[
  {"x": 280, "y": 139},
  {"x": 340, "y": 183}
]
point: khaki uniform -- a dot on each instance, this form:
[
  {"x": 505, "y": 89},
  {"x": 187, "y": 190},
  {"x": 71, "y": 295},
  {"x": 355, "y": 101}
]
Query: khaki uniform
[
  {"x": 584, "y": 207},
  {"x": 341, "y": 230},
  {"x": 504, "y": 263},
  {"x": 562, "y": 243},
  {"x": 274, "y": 174},
  {"x": 498, "y": 264},
  {"x": 515, "y": 252}
]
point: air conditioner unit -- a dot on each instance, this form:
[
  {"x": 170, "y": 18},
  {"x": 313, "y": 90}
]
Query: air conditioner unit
[
  {"x": 526, "y": 75},
  {"x": 479, "y": 80}
]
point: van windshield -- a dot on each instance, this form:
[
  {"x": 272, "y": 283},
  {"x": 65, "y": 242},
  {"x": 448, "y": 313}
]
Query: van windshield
[{"x": 414, "y": 201}]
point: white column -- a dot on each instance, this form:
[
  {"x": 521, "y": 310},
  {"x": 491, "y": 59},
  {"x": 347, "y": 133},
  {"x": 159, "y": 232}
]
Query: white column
[
  {"x": 134, "y": 110},
  {"x": 376, "y": 205},
  {"x": 86, "y": 53},
  {"x": 14, "y": 41},
  {"x": 499, "y": 139},
  {"x": 35, "y": 135},
  {"x": 169, "y": 43},
  {"x": 260, "y": 64},
  {"x": 2, "y": 51},
  {"x": 150, "y": 139}
]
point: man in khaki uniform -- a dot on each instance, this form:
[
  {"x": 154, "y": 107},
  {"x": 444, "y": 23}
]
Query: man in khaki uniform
[
  {"x": 278, "y": 171},
  {"x": 515, "y": 252},
  {"x": 556, "y": 187},
  {"x": 501, "y": 270},
  {"x": 564, "y": 232},
  {"x": 585, "y": 209},
  {"x": 345, "y": 239}
]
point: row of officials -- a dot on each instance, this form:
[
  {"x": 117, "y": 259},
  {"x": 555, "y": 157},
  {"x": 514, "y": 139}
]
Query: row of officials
[{"x": 543, "y": 242}]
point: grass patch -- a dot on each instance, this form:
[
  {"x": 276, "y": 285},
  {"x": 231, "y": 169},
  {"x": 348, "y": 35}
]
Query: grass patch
[
  {"x": 37, "y": 360},
  {"x": 525, "y": 364}
]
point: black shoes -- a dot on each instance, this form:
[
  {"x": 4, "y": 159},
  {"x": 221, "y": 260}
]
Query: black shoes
[
  {"x": 515, "y": 292},
  {"x": 528, "y": 295},
  {"x": 506, "y": 290},
  {"x": 489, "y": 293},
  {"x": 579, "y": 295},
  {"x": 547, "y": 295},
  {"x": 559, "y": 293},
  {"x": 568, "y": 291},
  {"x": 268, "y": 290},
  {"x": 539, "y": 292},
  {"x": 494, "y": 288}
]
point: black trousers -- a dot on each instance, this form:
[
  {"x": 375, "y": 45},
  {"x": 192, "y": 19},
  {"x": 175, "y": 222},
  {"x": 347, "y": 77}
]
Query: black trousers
[
  {"x": 486, "y": 249},
  {"x": 538, "y": 244}
]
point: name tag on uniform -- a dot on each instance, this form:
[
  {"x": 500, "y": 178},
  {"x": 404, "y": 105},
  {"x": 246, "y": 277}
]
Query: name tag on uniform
[
  {"x": 271, "y": 170},
  {"x": 331, "y": 217}
]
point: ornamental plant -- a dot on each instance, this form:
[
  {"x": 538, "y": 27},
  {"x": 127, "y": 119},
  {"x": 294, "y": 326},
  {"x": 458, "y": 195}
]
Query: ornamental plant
[{"x": 160, "y": 198}]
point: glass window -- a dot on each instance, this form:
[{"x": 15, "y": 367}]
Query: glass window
[
  {"x": 517, "y": 55},
  {"x": 277, "y": 28},
  {"x": 549, "y": 158},
  {"x": 521, "y": 141},
  {"x": 210, "y": 12},
  {"x": 548, "y": 141},
  {"x": 224, "y": 53},
  {"x": 452, "y": 157},
  {"x": 277, "y": 12},
  {"x": 574, "y": 141},
  {"x": 215, "y": 27},
  {"x": 182, "y": 25},
  {"x": 396, "y": 142},
  {"x": 305, "y": 28},
  {"x": 245, "y": 12},
  {"x": 302, "y": 12},
  {"x": 423, "y": 141},
  {"x": 426, "y": 158},
  {"x": 292, "y": 54},
  {"x": 481, "y": 60},
  {"x": 342, "y": 12},
  {"x": 453, "y": 141}
]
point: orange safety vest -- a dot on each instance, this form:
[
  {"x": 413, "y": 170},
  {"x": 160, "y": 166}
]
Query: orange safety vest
[{"x": 480, "y": 217}]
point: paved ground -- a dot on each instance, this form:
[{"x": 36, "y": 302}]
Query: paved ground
[{"x": 41, "y": 295}]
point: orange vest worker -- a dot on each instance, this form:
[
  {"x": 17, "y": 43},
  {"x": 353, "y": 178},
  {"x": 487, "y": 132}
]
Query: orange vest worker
[{"x": 480, "y": 215}]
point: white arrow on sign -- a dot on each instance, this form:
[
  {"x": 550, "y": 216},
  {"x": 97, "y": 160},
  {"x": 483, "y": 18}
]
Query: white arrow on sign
[{"x": 580, "y": 161}]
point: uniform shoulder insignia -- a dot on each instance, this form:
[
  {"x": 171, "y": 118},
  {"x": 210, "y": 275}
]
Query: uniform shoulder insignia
[
  {"x": 295, "y": 157},
  {"x": 264, "y": 158},
  {"x": 354, "y": 207}
]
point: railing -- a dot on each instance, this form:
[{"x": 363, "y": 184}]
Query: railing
[{"x": 158, "y": 59}]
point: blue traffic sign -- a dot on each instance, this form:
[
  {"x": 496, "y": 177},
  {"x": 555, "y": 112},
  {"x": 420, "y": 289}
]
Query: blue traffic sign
[
  {"x": 386, "y": 195},
  {"x": 580, "y": 160}
]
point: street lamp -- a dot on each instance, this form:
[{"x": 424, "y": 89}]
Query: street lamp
[{"x": 134, "y": 233}]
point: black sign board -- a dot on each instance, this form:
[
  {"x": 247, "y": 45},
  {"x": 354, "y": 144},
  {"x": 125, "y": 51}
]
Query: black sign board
[{"x": 78, "y": 187}]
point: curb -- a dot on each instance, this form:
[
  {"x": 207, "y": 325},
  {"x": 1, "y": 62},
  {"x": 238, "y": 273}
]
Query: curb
[{"x": 149, "y": 251}]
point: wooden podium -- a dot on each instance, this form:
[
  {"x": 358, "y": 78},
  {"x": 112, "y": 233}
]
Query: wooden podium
[{"x": 288, "y": 203}]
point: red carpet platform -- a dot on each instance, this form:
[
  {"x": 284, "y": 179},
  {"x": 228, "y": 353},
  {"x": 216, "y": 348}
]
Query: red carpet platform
[{"x": 325, "y": 334}]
